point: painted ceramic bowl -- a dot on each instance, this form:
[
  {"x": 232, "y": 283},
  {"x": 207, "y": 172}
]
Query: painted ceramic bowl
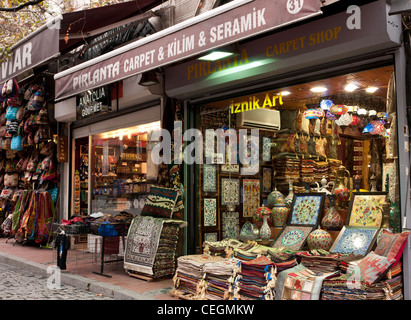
[
  {"x": 249, "y": 231},
  {"x": 319, "y": 239}
]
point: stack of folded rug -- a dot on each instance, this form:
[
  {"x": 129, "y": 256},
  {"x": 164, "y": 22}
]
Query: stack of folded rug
[{"x": 254, "y": 278}]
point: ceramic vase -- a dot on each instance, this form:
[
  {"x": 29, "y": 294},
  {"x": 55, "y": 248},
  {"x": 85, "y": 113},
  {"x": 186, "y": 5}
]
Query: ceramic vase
[
  {"x": 289, "y": 198},
  {"x": 258, "y": 216},
  {"x": 319, "y": 239},
  {"x": 332, "y": 219},
  {"x": 280, "y": 214},
  {"x": 265, "y": 231},
  {"x": 274, "y": 198}
]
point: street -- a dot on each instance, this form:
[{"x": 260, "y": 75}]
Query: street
[{"x": 18, "y": 284}]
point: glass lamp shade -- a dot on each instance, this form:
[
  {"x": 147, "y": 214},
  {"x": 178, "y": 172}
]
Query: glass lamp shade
[
  {"x": 338, "y": 109},
  {"x": 362, "y": 112},
  {"x": 330, "y": 116},
  {"x": 356, "y": 120},
  {"x": 372, "y": 113},
  {"x": 344, "y": 120},
  {"x": 326, "y": 104},
  {"x": 375, "y": 127},
  {"x": 313, "y": 114}
]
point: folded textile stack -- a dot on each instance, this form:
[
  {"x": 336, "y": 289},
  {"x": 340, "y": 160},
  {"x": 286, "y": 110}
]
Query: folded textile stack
[
  {"x": 245, "y": 255},
  {"x": 320, "y": 170},
  {"x": 189, "y": 274},
  {"x": 388, "y": 288},
  {"x": 302, "y": 189},
  {"x": 219, "y": 248},
  {"x": 333, "y": 165},
  {"x": 287, "y": 168},
  {"x": 346, "y": 260},
  {"x": 164, "y": 262},
  {"x": 320, "y": 262},
  {"x": 307, "y": 170},
  {"x": 253, "y": 251},
  {"x": 282, "y": 260},
  {"x": 253, "y": 281},
  {"x": 345, "y": 288},
  {"x": 219, "y": 280}
]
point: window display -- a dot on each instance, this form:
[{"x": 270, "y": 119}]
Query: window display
[
  {"x": 333, "y": 141},
  {"x": 113, "y": 171}
]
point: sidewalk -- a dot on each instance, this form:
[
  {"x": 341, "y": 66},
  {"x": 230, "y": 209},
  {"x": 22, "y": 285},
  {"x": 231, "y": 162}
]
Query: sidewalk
[{"x": 79, "y": 273}]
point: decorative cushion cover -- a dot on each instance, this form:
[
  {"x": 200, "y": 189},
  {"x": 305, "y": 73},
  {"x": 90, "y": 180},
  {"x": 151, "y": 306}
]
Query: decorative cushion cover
[
  {"x": 373, "y": 266},
  {"x": 391, "y": 245},
  {"x": 160, "y": 202}
]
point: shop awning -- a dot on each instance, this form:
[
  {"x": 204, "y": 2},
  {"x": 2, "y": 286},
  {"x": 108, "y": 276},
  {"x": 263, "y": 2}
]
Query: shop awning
[
  {"x": 86, "y": 23},
  {"x": 48, "y": 41},
  {"x": 30, "y": 52},
  {"x": 227, "y": 24}
]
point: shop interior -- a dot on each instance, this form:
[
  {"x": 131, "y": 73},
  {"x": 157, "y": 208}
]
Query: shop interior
[
  {"x": 334, "y": 132},
  {"x": 112, "y": 172}
]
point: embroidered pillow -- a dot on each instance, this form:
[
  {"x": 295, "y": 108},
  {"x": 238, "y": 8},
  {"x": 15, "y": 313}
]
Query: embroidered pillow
[
  {"x": 160, "y": 202},
  {"x": 391, "y": 245},
  {"x": 373, "y": 267}
]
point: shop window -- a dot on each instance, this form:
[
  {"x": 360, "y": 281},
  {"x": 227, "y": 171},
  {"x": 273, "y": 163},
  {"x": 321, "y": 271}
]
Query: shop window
[
  {"x": 344, "y": 125},
  {"x": 113, "y": 171}
]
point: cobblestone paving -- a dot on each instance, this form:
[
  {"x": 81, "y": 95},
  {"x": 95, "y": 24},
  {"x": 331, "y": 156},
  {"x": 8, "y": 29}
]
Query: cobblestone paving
[{"x": 18, "y": 284}]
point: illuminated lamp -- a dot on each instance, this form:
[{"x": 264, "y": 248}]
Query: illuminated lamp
[
  {"x": 338, "y": 109},
  {"x": 382, "y": 114},
  {"x": 372, "y": 113},
  {"x": 221, "y": 53},
  {"x": 371, "y": 89},
  {"x": 344, "y": 121},
  {"x": 330, "y": 116},
  {"x": 356, "y": 120},
  {"x": 313, "y": 114},
  {"x": 318, "y": 89},
  {"x": 350, "y": 87},
  {"x": 375, "y": 127},
  {"x": 326, "y": 104}
]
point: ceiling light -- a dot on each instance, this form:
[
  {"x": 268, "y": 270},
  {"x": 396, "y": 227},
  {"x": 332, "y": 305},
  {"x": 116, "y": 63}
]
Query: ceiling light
[
  {"x": 318, "y": 89},
  {"x": 285, "y": 93},
  {"x": 371, "y": 89},
  {"x": 350, "y": 87},
  {"x": 216, "y": 55}
]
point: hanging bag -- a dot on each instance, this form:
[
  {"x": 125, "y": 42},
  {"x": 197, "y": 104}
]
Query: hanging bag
[{"x": 17, "y": 143}]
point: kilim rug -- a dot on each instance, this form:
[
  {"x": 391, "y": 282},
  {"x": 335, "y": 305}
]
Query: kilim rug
[{"x": 142, "y": 243}]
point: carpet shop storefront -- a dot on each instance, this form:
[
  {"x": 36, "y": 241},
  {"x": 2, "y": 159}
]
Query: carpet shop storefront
[
  {"x": 311, "y": 206},
  {"x": 110, "y": 178}
]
